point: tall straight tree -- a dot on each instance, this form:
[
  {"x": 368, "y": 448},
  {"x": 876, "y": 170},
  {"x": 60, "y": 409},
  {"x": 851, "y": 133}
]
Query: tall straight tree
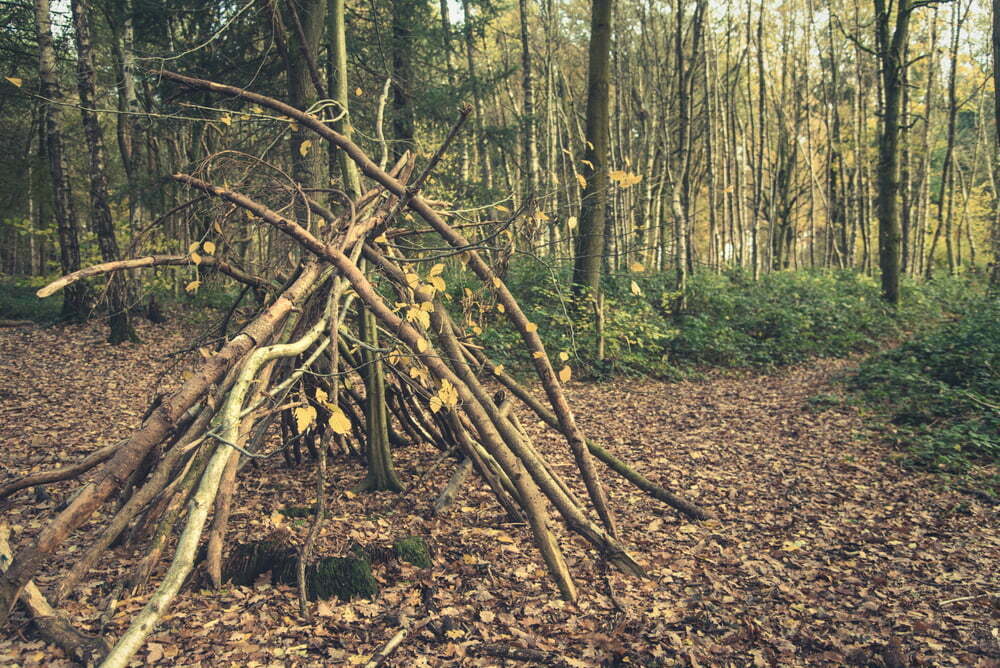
[
  {"x": 67, "y": 226},
  {"x": 593, "y": 213},
  {"x": 995, "y": 274},
  {"x": 118, "y": 316},
  {"x": 891, "y": 37}
]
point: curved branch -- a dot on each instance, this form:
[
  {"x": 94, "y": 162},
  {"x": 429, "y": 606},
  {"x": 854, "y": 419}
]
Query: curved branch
[{"x": 152, "y": 261}]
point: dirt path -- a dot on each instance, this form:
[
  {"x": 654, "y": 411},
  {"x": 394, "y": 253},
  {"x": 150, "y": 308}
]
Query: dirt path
[{"x": 825, "y": 553}]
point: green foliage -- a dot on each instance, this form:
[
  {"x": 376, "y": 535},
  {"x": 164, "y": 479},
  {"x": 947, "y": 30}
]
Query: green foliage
[
  {"x": 18, "y": 301},
  {"x": 729, "y": 320},
  {"x": 941, "y": 390}
]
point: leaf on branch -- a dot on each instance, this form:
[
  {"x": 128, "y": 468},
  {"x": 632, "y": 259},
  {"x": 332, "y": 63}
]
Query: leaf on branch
[
  {"x": 582, "y": 180},
  {"x": 564, "y": 356},
  {"x": 338, "y": 421},
  {"x": 226, "y": 120},
  {"x": 498, "y": 369},
  {"x": 538, "y": 354},
  {"x": 193, "y": 246},
  {"x": 502, "y": 208},
  {"x": 192, "y": 287},
  {"x": 305, "y": 417},
  {"x": 636, "y": 290},
  {"x": 195, "y": 258},
  {"x": 531, "y": 327},
  {"x": 209, "y": 247},
  {"x": 501, "y": 308},
  {"x": 15, "y": 81},
  {"x": 438, "y": 283},
  {"x": 571, "y": 222},
  {"x": 436, "y": 269}
]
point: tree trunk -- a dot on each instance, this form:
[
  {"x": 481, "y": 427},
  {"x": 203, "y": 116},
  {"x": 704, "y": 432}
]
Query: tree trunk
[
  {"x": 590, "y": 237},
  {"x": 67, "y": 226},
  {"x": 118, "y": 292},
  {"x": 890, "y": 47}
]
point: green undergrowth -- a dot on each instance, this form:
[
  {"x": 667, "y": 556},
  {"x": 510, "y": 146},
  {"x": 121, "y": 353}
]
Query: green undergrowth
[
  {"x": 729, "y": 321},
  {"x": 938, "y": 394},
  {"x": 19, "y": 302}
]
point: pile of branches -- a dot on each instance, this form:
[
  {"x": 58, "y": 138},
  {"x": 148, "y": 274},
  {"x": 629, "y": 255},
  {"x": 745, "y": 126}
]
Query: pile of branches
[{"x": 323, "y": 321}]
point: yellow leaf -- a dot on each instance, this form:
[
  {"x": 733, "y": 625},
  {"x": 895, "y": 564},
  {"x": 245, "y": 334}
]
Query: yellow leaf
[
  {"x": 501, "y": 207},
  {"x": 321, "y": 395},
  {"x": 538, "y": 354},
  {"x": 381, "y": 239},
  {"x": 16, "y": 81},
  {"x": 436, "y": 403},
  {"x": 636, "y": 290},
  {"x": 277, "y": 518},
  {"x": 338, "y": 421},
  {"x": 588, "y": 163},
  {"x": 358, "y": 92},
  {"x": 193, "y": 246},
  {"x": 487, "y": 616},
  {"x": 436, "y": 269},
  {"x": 571, "y": 222},
  {"x": 305, "y": 417},
  {"x": 477, "y": 330},
  {"x": 209, "y": 247},
  {"x": 421, "y": 344},
  {"x": 531, "y": 327},
  {"x": 304, "y": 147},
  {"x": 564, "y": 356},
  {"x": 469, "y": 559},
  {"x": 497, "y": 282},
  {"x": 226, "y": 120},
  {"x": 565, "y": 374},
  {"x": 581, "y": 180},
  {"x": 412, "y": 280},
  {"x": 541, "y": 216},
  {"x": 501, "y": 308},
  {"x": 498, "y": 369},
  {"x": 192, "y": 287},
  {"x": 438, "y": 283},
  {"x": 217, "y": 227},
  {"x": 637, "y": 267},
  {"x": 195, "y": 258}
]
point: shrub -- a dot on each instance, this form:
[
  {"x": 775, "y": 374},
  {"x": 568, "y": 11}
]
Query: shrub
[
  {"x": 941, "y": 390},
  {"x": 729, "y": 320}
]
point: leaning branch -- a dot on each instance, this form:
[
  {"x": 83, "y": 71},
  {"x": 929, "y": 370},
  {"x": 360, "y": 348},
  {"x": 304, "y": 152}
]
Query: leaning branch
[{"x": 152, "y": 261}]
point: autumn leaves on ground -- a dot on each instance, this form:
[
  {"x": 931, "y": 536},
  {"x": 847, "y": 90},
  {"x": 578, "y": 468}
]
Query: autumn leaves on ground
[{"x": 825, "y": 551}]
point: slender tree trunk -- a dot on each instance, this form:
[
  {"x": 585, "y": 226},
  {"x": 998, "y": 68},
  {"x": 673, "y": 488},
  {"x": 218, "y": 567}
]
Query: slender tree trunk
[
  {"x": 590, "y": 237},
  {"x": 67, "y": 227},
  {"x": 530, "y": 166},
  {"x": 890, "y": 45},
  {"x": 995, "y": 274},
  {"x": 118, "y": 307}
]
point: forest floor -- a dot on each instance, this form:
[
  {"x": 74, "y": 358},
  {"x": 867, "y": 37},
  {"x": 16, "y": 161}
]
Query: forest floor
[{"x": 826, "y": 552}]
